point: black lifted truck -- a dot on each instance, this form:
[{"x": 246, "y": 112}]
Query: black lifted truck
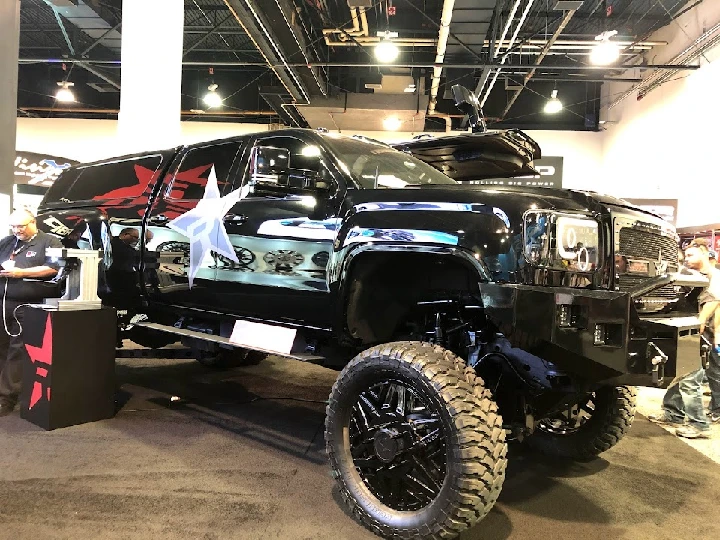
[{"x": 462, "y": 316}]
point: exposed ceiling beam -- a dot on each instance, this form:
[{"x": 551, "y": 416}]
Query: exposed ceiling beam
[
  {"x": 566, "y": 19},
  {"x": 255, "y": 25},
  {"x": 61, "y": 26},
  {"x": 522, "y": 67},
  {"x": 207, "y": 34},
  {"x": 101, "y": 75},
  {"x": 98, "y": 40}
]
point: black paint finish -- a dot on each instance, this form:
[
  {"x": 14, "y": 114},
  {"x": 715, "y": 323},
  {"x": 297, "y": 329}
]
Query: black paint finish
[{"x": 300, "y": 235}]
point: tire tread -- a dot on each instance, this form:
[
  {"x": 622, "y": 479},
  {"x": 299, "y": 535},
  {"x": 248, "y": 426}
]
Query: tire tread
[{"x": 481, "y": 448}]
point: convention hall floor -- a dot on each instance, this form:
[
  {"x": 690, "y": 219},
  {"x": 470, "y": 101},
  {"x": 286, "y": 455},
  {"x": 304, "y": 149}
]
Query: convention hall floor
[{"x": 240, "y": 455}]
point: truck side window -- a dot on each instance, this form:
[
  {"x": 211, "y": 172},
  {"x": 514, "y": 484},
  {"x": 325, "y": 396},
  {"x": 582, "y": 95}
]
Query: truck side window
[
  {"x": 111, "y": 179},
  {"x": 304, "y": 156},
  {"x": 192, "y": 175}
]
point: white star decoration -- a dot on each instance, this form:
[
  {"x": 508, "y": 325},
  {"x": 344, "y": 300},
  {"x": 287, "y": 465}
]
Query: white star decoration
[{"x": 204, "y": 227}]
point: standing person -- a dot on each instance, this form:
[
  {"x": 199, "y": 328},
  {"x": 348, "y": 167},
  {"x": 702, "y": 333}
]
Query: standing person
[
  {"x": 122, "y": 275},
  {"x": 22, "y": 255},
  {"x": 683, "y": 398},
  {"x": 709, "y": 301},
  {"x": 713, "y": 260}
]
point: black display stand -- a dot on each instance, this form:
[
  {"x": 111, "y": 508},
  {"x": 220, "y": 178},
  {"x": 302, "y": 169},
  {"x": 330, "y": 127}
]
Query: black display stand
[{"x": 70, "y": 376}]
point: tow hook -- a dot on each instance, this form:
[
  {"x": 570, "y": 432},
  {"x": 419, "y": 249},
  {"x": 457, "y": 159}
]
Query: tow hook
[{"x": 658, "y": 362}]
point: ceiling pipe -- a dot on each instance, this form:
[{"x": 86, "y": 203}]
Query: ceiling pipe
[
  {"x": 359, "y": 25},
  {"x": 507, "y": 53},
  {"x": 287, "y": 76},
  {"x": 524, "y": 67},
  {"x": 372, "y": 40},
  {"x": 444, "y": 32},
  {"x": 363, "y": 23},
  {"x": 707, "y": 40},
  {"x": 568, "y": 15},
  {"x": 88, "y": 110},
  {"x": 350, "y": 36},
  {"x": 588, "y": 42},
  {"x": 510, "y": 18}
]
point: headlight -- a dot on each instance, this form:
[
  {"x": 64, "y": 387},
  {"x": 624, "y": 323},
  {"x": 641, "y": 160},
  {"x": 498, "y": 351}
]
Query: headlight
[{"x": 562, "y": 241}]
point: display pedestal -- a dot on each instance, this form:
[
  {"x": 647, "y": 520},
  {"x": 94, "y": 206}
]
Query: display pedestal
[{"x": 70, "y": 376}]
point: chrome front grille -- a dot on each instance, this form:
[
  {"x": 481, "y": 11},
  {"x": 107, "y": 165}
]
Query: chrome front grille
[
  {"x": 639, "y": 244},
  {"x": 627, "y": 282},
  {"x": 644, "y": 242}
]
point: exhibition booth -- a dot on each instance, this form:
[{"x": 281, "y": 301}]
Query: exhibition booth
[{"x": 376, "y": 251}]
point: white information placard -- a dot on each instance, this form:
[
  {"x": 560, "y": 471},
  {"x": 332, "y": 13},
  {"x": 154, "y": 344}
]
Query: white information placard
[{"x": 263, "y": 336}]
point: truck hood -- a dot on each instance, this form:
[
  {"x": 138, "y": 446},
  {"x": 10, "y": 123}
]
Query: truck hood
[{"x": 476, "y": 156}]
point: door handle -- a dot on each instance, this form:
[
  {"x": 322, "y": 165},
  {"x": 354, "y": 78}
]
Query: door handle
[{"x": 235, "y": 218}]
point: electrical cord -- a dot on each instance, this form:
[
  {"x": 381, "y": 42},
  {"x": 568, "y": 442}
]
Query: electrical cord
[
  {"x": 14, "y": 313},
  {"x": 231, "y": 403}
]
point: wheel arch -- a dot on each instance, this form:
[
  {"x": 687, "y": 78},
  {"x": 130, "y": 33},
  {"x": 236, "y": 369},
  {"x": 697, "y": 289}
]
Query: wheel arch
[{"x": 393, "y": 273}]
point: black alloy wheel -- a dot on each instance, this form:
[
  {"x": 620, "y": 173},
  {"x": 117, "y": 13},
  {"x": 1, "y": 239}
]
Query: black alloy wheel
[
  {"x": 397, "y": 442},
  {"x": 585, "y": 430},
  {"x": 415, "y": 441},
  {"x": 570, "y": 419}
]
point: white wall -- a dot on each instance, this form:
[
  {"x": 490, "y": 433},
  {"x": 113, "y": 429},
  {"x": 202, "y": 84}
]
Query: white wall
[
  {"x": 90, "y": 140},
  {"x": 583, "y": 156},
  {"x": 665, "y": 145}
]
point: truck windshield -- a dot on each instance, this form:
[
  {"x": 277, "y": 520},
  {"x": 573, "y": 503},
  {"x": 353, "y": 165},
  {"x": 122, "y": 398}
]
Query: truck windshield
[{"x": 376, "y": 166}]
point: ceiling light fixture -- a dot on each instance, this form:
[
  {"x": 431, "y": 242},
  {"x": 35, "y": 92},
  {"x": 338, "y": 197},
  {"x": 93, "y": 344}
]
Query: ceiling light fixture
[
  {"x": 392, "y": 123},
  {"x": 64, "y": 94},
  {"x": 386, "y": 51},
  {"x": 212, "y": 99},
  {"x": 553, "y": 105},
  {"x": 606, "y": 51}
]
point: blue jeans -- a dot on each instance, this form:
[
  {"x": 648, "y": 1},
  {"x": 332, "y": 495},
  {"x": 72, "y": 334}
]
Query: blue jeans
[
  {"x": 684, "y": 398},
  {"x": 713, "y": 376}
]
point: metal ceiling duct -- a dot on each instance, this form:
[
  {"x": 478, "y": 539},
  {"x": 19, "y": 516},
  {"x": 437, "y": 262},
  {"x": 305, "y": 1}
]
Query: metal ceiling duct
[
  {"x": 366, "y": 112},
  {"x": 269, "y": 26},
  {"x": 443, "y": 33}
]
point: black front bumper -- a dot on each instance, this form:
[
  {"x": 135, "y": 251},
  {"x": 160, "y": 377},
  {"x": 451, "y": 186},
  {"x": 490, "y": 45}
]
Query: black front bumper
[{"x": 595, "y": 335}]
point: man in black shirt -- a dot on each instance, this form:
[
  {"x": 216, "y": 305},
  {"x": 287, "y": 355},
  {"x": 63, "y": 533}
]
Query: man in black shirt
[
  {"x": 22, "y": 257},
  {"x": 122, "y": 275}
]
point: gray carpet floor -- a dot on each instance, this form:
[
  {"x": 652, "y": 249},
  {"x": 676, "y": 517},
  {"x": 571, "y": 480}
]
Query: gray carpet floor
[{"x": 202, "y": 454}]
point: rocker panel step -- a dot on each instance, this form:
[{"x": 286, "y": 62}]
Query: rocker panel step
[{"x": 304, "y": 357}]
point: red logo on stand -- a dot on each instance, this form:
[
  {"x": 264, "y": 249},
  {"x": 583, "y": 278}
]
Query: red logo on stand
[{"x": 42, "y": 355}]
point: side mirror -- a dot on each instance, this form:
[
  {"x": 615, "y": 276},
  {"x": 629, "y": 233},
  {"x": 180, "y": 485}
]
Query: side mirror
[
  {"x": 268, "y": 164},
  {"x": 468, "y": 103},
  {"x": 270, "y": 171}
]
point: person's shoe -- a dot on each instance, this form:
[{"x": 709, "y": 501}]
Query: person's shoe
[
  {"x": 664, "y": 420},
  {"x": 691, "y": 432},
  {"x": 714, "y": 417},
  {"x": 6, "y": 408}
]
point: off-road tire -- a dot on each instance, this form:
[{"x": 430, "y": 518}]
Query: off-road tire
[
  {"x": 476, "y": 451},
  {"x": 610, "y": 421}
]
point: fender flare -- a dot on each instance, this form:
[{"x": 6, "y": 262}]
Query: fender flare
[{"x": 341, "y": 268}]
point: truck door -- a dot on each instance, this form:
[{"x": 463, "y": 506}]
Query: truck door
[
  {"x": 185, "y": 223},
  {"x": 282, "y": 230}
]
